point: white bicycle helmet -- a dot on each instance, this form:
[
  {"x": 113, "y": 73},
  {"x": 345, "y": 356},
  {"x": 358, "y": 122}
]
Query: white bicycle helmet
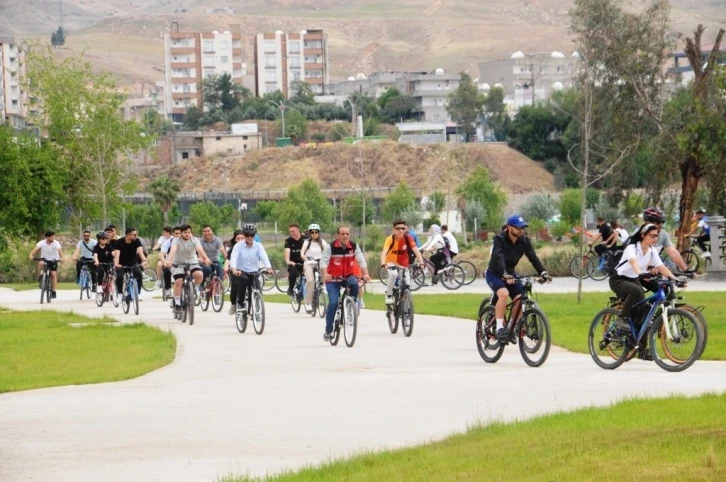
[{"x": 314, "y": 227}]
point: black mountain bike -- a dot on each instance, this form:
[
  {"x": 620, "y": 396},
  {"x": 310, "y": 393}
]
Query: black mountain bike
[
  {"x": 402, "y": 307},
  {"x": 46, "y": 284},
  {"x": 526, "y": 325},
  {"x": 185, "y": 311}
]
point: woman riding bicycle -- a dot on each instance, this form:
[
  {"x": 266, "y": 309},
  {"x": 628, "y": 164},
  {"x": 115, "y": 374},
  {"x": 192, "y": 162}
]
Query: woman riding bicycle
[
  {"x": 237, "y": 237},
  {"x": 102, "y": 258},
  {"x": 313, "y": 247}
]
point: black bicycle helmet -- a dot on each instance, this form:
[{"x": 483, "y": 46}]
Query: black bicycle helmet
[
  {"x": 249, "y": 229},
  {"x": 653, "y": 215},
  {"x": 101, "y": 235}
]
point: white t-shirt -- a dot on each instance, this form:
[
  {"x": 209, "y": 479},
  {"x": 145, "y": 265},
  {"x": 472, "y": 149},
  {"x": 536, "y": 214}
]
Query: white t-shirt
[
  {"x": 49, "y": 251},
  {"x": 623, "y": 235},
  {"x": 453, "y": 245},
  {"x": 313, "y": 250},
  {"x": 650, "y": 258}
]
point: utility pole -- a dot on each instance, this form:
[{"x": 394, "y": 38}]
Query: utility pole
[{"x": 61, "y": 13}]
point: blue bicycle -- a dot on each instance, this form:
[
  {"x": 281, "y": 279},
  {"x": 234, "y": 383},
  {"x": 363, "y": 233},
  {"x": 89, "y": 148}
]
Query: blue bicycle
[
  {"x": 84, "y": 278},
  {"x": 674, "y": 337},
  {"x": 130, "y": 294}
]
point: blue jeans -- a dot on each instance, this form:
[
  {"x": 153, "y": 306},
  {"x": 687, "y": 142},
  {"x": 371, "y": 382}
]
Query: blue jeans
[
  {"x": 207, "y": 270},
  {"x": 333, "y": 289}
]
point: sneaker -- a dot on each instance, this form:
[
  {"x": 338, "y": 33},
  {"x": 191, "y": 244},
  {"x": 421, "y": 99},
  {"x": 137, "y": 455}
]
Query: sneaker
[
  {"x": 435, "y": 280},
  {"x": 289, "y": 292},
  {"x": 389, "y": 299},
  {"x": 308, "y": 307},
  {"x": 99, "y": 290},
  {"x": 232, "y": 309},
  {"x": 327, "y": 336},
  {"x": 362, "y": 304},
  {"x": 118, "y": 298},
  {"x": 140, "y": 296},
  {"x": 158, "y": 285},
  {"x": 53, "y": 295},
  {"x": 502, "y": 335},
  {"x": 707, "y": 254}
]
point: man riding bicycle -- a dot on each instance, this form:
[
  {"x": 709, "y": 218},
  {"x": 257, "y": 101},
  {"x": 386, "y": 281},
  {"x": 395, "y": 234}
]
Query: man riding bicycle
[
  {"x": 51, "y": 252},
  {"x": 705, "y": 235},
  {"x": 126, "y": 252},
  {"x": 509, "y": 247},
  {"x": 213, "y": 247},
  {"x": 84, "y": 255},
  {"x": 185, "y": 250},
  {"x": 244, "y": 262},
  {"x": 396, "y": 254}
]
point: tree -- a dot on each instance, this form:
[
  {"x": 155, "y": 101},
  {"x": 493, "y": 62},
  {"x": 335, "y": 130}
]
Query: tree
[
  {"x": 541, "y": 206},
  {"x": 165, "y": 192},
  {"x": 296, "y": 126},
  {"x": 221, "y": 92},
  {"x": 478, "y": 186},
  {"x": 399, "y": 200},
  {"x": 390, "y": 94},
  {"x": 58, "y": 37},
  {"x": 305, "y": 204},
  {"x": 81, "y": 112},
  {"x": 146, "y": 218},
  {"x": 466, "y": 105},
  {"x": 436, "y": 202},
  {"x": 570, "y": 207},
  {"x": 301, "y": 93},
  {"x": 155, "y": 124},
  {"x": 354, "y": 207},
  {"x": 537, "y": 132},
  {"x": 399, "y": 108},
  {"x": 265, "y": 209},
  {"x": 33, "y": 184},
  {"x": 205, "y": 213},
  {"x": 193, "y": 118},
  {"x": 496, "y": 113}
]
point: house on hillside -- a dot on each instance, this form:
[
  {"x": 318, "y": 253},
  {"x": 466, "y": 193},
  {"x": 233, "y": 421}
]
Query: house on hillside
[{"x": 188, "y": 145}]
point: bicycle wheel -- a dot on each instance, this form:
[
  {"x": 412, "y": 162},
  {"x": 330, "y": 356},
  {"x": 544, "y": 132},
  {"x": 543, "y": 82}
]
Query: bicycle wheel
[
  {"x": 282, "y": 281},
  {"x": 691, "y": 259},
  {"x": 100, "y": 298},
  {"x": 197, "y": 295},
  {"x": 294, "y": 299},
  {"x": 383, "y": 275},
  {"x": 579, "y": 266},
  {"x": 268, "y": 281},
  {"x": 148, "y": 279},
  {"x": 205, "y": 296},
  {"x": 217, "y": 295},
  {"x": 225, "y": 283},
  {"x": 683, "y": 348},
  {"x": 534, "y": 332},
  {"x": 406, "y": 303},
  {"x": 135, "y": 296},
  {"x": 258, "y": 312},
  {"x": 112, "y": 291},
  {"x": 489, "y": 347},
  {"x": 191, "y": 292},
  {"x": 240, "y": 319},
  {"x": 452, "y": 277},
  {"x": 470, "y": 271},
  {"x": 596, "y": 269},
  {"x": 322, "y": 303},
  {"x": 48, "y": 289},
  {"x": 392, "y": 319},
  {"x": 418, "y": 278},
  {"x": 43, "y": 287},
  {"x": 82, "y": 281},
  {"x": 608, "y": 345},
  {"x": 700, "y": 319},
  {"x": 336, "y": 325},
  {"x": 350, "y": 323},
  {"x": 125, "y": 300}
]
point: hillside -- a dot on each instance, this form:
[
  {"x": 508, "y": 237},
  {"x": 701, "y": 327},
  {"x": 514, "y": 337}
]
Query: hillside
[
  {"x": 426, "y": 168},
  {"x": 365, "y": 35}
]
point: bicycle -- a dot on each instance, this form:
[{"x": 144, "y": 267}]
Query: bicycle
[
  {"x": 320, "y": 296},
  {"x": 108, "y": 286},
  {"x": 402, "y": 307},
  {"x": 610, "y": 346},
  {"x": 691, "y": 255},
  {"x": 298, "y": 291},
  {"x": 469, "y": 270},
  {"x": 212, "y": 290},
  {"x": 346, "y": 314},
  {"x": 130, "y": 293},
  {"x": 149, "y": 279},
  {"x": 527, "y": 326},
  {"x": 84, "y": 278},
  {"x": 185, "y": 310},
  {"x": 46, "y": 284},
  {"x": 452, "y": 276},
  {"x": 579, "y": 265},
  {"x": 254, "y": 300}
]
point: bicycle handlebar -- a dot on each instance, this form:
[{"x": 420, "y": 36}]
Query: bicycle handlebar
[{"x": 48, "y": 260}]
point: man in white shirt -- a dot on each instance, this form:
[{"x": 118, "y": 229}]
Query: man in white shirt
[
  {"x": 52, "y": 253},
  {"x": 84, "y": 255},
  {"x": 453, "y": 245}
]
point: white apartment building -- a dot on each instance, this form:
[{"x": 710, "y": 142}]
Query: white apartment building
[
  {"x": 191, "y": 56},
  {"x": 431, "y": 91},
  {"x": 282, "y": 58},
  {"x": 13, "y": 97}
]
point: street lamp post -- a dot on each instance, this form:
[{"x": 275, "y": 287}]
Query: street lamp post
[{"x": 280, "y": 106}]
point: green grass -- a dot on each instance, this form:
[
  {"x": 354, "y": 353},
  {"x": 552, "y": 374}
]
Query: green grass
[
  {"x": 33, "y": 285},
  {"x": 675, "y": 438},
  {"x": 569, "y": 321},
  {"x": 39, "y": 349}
]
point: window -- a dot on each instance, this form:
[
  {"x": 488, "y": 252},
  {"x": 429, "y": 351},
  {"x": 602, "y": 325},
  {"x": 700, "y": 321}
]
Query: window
[
  {"x": 223, "y": 45},
  {"x": 209, "y": 60},
  {"x": 295, "y": 62},
  {"x": 270, "y": 76},
  {"x": 218, "y": 138},
  {"x": 270, "y": 88},
  {"x": 185, "y": 155},
  {"x": 174, "y": 58},
  {"x": 270, "y": 61},
  {"x": 209, "y": 46},
  {"x": 224, "y": 59},
  {"x": 295, "y": 75},
  {"x": 230, "y": 151},
  {"x": 294, "y": 47},
  {"x": 270, "y": 46}
]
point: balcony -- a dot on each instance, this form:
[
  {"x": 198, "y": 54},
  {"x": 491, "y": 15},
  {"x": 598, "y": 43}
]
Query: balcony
[
  {"x": 237, "y": 65},
  {"x": 236, "y": 51},
  {"x": 184, "y": 95},
  {"x": 314, "y": 80},
  {"x": 183, "y": 65},
  {"x": 184, "y": 80},
  {"x": 182, "y": 50},
  {"x": 312, "y": 51},
  {"x": 179, "y": 110},
  {"x": 313, "y": 66},
  {"x": 181, "y": 35}
]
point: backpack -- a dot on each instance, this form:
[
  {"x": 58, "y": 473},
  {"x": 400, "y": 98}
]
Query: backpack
[
  {"x": 409, "y": 242},
  {"x": 613, "y": 261}
]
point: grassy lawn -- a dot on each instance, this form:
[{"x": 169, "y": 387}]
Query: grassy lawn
[
  {"x": 669, "y": 439},
  {"x": 569, "y": 321},
  {"x": 34, "y": 286},
  {"x": 39, "y": 349}
]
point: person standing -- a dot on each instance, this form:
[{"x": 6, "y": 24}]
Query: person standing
[
  {"x": 84, "y": 255},
  {"x": 293, "y": 258}
]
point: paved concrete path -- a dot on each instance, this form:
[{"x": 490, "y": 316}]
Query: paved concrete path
[{"x": 233, "y": 403}]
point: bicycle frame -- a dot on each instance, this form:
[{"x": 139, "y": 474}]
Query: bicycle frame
[{"x": 658, "y": 299}]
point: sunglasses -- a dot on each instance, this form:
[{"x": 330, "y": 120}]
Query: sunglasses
[
  {"x": 249, "y": 235},
  {"x": 314, "y": 232},
  {"x": 400, "y": 228},
  {"x": 654, "y": 236}
]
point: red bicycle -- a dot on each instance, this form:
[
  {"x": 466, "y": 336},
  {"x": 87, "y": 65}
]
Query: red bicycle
[
  {"x": 213, "y": 290},
  {"x": 108, "y": 286}
]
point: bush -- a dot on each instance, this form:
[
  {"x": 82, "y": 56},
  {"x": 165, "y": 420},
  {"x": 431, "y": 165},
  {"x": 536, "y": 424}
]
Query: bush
[
  {"x": 318, "y": 137},
  {"x": 570, "y": 205},
  {"x": 540, "y": 206},
  {"x": 429, "y": 221}
]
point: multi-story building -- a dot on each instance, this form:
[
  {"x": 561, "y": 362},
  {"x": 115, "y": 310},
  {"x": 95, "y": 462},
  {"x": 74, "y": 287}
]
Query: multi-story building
[
  {"x": 191, "y": 56},
  {"x": 528, "y": 78},
  {"x": 681, "y": 66},
  {"x": 13, "y": 97},
  {"x": 374, "y": 85},
  {"x": 431, "y": 91},
  {"x": 282, "y": 58}
]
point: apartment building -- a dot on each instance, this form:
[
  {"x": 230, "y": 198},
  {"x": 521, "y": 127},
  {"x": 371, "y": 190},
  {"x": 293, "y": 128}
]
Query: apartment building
[
  {"x": 282, "y": 58},
  {"x": 374, "y": 85},
  {"x": 191, "y": 56},
  {"x": 431, "y": 91},
  {"x": 13, "y": 97},
  {"x": 526, "y": 79}
]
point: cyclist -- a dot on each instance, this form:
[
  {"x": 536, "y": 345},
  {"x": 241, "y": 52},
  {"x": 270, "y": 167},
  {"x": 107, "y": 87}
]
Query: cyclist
[
  {"x": 313, "y": 248},
  {"x": 237, "y": 237},
  {"x": 111, "y": 232},
  {"x": 166, "y": 233},
  {"x": 705, "y": 235},
  {"x": 412, "y": 232},
  {"x": 213, "y": 247},
  {"x": 620, "y": 235},
  {"x": 245, "y": 261},
  {"x": 508, "y": 248},
  {"x": 293, "y": 245},
  {"x": 186, "y": 250},
  {"x": 396, "y": 254},
  {"x": 338, "y": 261},
  {"x": 450, "y": 239},
  {"x": 640, "y": 259},
  {"x": 436, "y": 242},
  {"x": 102, "y": 254},
  {"x": 163, "y": 253},
  {"x": 126, "y": 253},
  {"x": 605, "y": 232},
  {"x": 656, "y": 216},
  {"x": 51, "y": 251},
  {"x": 84, "y": 254}
]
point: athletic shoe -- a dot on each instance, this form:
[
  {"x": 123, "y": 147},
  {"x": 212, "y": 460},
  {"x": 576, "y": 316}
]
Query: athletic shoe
[
  {"x": 707, "y": 254},
  {"x": 140, "y": 296},
  {"x": 53, "y": 295},
  {"x": 502, "y": 335},
  {"x": 118, "y": 298},
  {"x": 389, "y": 299},
  {"x": 99, "y": 290},
  {"x": 327, "y": 336},
  {"x": 232, "y": 309},
  {"x": 308, "y": 307},
  {"x": 361, "y": 304},
  {"x": 158, "y": 285}
]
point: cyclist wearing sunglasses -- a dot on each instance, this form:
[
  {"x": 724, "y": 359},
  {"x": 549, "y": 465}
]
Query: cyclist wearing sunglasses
[
  {"x": 313, "y": 247},
  {"x": 245, "y": 258}
]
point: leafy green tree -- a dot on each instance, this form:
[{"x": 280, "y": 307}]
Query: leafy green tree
[
  {"x": 58, "y": 37},
  {"x": 264, "y": 209},
  {"x": 229, "y": 214},
  {"x": 296, "y": 126},
  {"x": 388, "y": 95},
  {"x": 399, "y": 200},
  {"x": 205, "y": 213},
  {"x": 399, "y": 108},
  {"x": 81, "y": 112},
  {"x": 540, "y": 205},
  {"x": 146, "y": 218},
  {"x": 301, "y": 93},
  {"x": 155, "y": 124},
  {"x": 436, "y": 202},
  {"x": 570, "y": 208},
  {"x": 193, "y": 118},
  {"x": 474, "y": 214},
  {"x": 536, "y": 131},
  {"x": 165, "y": 192},
  {"x": 413, "y": 215},
  {"x": 221, "y": 92},
  {"x": 33, "y": 184},
  {"x": 496, "y": 112},
  {"x": 479, "y": 186},
  {"x": 466, "y": 105},
  {"x": 305, "y": 204},
  {"x": 352, "y": 207}
]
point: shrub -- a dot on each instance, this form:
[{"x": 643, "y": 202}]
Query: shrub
[{"x": 540, "y": 206}]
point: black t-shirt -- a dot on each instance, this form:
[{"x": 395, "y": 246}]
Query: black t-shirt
[
  {"x": 605, "y": 231},
  {"x": 128, "y": 251},
  {"x": 295, "y": 247},
  {"x": 104, "y": 253}
]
